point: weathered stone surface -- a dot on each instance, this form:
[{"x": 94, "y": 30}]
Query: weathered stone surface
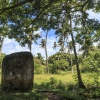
[{"x": 17, "y": 71}]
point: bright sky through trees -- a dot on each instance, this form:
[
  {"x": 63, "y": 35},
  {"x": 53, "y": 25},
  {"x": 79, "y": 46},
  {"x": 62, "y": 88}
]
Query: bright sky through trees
[{"x": 11, "y": 46}]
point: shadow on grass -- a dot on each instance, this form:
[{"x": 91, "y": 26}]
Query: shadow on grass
[
  {"x": 52, "y": 84},
  {"x": 68, "y": 91},
  {"x": 64, "y": 91},
  {"x": 30, "y": 95}
]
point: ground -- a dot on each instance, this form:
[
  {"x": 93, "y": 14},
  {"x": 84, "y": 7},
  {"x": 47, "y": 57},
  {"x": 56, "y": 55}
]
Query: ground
[{"x": 51, "y": 87}]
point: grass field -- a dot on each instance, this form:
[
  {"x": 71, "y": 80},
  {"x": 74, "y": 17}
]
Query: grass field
[
  {"x": 88, "y": 78},
  {"x": 61, "y": 84},
  {"x": 45, "y": 78}
]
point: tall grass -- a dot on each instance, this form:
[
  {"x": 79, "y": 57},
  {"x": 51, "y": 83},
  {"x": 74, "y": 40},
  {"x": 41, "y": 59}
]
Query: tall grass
[{"x": 68, "y": 78}]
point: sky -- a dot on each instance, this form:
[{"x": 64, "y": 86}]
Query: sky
[{"x": 11, "y": 46}]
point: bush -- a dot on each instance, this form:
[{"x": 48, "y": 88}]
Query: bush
[
  {"x": 91, "y": 63},
  {"x": 61, "y": 72},
  {"x": 70, "y": 95},
  {"x": 58, "y": 65},
  {"x": 39, "y": 68}
]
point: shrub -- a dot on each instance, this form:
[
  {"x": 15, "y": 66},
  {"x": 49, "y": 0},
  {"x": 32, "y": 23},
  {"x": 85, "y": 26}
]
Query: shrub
[
  {"x": 70, "y": 95},
  {"x": 39, "y": 68},
  {"x": 91, "y": 63},
  {"x": 58, "y": 65}
]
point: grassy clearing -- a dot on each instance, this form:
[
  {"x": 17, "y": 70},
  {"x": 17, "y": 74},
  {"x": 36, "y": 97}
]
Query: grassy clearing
[
  {"x": 46, "y": 77},
  {"x": 53, "y": 82},
  {"x": 64, "y": 85},
  {"x": 88, "y": 78}
]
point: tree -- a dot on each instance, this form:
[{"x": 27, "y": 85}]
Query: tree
[
  {"x": 1, "y": 44},
  {"x": 70, "y": 48},
  {"x": 80, "y": 82},
  {"x": 68, "y": 17},
  {"x": 55, "y": 45},
  {"x": 20, "y": 15},
  {"x": 91, "y": 62},
  {"x": 39, "y": 67},
  {"x": 29, "y": 39},
  {"x": 39, "y": 56},
  {"x": 59, "y": 62},
  {"x": 62, "y": 34},
  {"x": 3, "y": 33},
  {"x": 46, "y": 52},
  {"x": 87, "y": 35},
  {"x": 98, "y": 45},
  {"x": 43, "y": 45}
]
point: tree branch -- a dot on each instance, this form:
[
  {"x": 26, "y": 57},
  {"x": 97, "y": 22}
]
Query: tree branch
[
  {"x": 14, "y": 6},
  {"x": 85, "y": 4},
  {"x": 44, "y": 8}
]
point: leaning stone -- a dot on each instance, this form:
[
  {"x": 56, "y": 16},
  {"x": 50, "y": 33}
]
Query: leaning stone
[{"x": 17, "y": 72}]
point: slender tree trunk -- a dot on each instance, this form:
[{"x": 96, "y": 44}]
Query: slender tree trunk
[
  {"x": 30, "y": 46},
  {"x": 80, "y": 82},
  {"x": 71, "y": 62},
  {"x": 0, "y": 50},
  {"x": 46, "y": 52},
  {"x": 30, "y": 42},
  {"x": 1, "y": 44}
]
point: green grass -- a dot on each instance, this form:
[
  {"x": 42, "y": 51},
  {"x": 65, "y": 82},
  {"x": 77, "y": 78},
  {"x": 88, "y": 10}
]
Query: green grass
[
  {"x": 88, "y": 78},
  {"x": 64, "y": 85},
  {"x": 21, "y": 96},
  {"x": 68, "y": 78}
]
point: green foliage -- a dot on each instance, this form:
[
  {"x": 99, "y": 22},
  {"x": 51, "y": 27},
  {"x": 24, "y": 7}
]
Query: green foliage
[
  {"x": 39, "y": 68},
  {"x": 59, "y": 65},
  {"x": 22, "y": 96},
  {"x": 61, "y": 72},
  {"x": 92, "y": 79},
  {"x": 59, "y": 62},
  {"x": 75, "y": 78},
  {"x": 91, "y": 63},
  {"x": 87, "y": 35},
  {"x": 39, "y": 56},
  {"x": 22, "y": 18},
  {"x": 70, "y": 95},
  {"x": 53, "y": 84}
]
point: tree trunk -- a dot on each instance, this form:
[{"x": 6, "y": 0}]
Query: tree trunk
[
  {"x": 29, "y": 46},
  {"x": 30, "y": 42},
  {"x": 1, "y": 44},
  {"x": 71, "y": 62},
  {"x": 80, "y": 82},
  {"x": 47, "y": 68}
]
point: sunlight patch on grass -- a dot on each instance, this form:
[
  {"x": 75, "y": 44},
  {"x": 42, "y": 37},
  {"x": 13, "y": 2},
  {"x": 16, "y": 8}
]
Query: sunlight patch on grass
[{"x": 68, "y": 78}]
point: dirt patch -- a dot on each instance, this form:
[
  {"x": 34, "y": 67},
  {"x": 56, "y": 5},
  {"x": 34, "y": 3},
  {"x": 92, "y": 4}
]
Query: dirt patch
[{"x": 50, "y": 94}]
